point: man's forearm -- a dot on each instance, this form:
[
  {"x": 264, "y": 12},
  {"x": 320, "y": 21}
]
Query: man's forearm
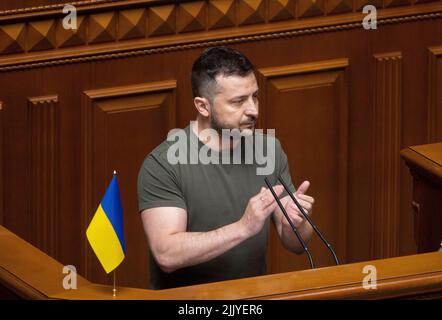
[{"x": 185, "y": 249}]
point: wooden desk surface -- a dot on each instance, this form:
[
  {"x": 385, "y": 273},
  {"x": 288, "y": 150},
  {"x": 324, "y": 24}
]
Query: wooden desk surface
[
  {"x": 432, "y": 152},
  {"x": 33, "y": 274},
  {"x": 427, "y": 158}
]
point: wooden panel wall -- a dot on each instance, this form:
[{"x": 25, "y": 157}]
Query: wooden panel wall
[
  {"x": 43, "y": 185},
  {"x": 75, "y": 105},
  {"x": 121, "y": 123},
  {"x": 435, "y": 94},
  {"x": 318, "y": 92}
]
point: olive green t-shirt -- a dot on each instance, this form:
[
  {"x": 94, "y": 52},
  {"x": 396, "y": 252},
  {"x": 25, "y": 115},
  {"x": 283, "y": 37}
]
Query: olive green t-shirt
[{"x": 213, "y": 195}]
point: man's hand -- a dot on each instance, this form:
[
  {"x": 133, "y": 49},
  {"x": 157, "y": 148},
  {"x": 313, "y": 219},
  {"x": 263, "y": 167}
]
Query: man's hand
[
  {"x": 288, "y": 238},
  {"x": 292, "y": 210},
  {"x": 258, "y": 209}
]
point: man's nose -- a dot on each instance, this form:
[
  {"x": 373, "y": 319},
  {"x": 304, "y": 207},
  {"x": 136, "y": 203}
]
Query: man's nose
[{"x": 252, "y": 108}]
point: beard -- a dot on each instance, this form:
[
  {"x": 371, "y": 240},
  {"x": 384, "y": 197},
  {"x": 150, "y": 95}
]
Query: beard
[
  {"x": 235, "y": 134},
  {"x": 218, "y": 125}
]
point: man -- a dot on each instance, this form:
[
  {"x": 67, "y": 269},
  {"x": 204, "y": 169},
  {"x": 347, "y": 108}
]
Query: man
[{"x": 209, "y": 222}]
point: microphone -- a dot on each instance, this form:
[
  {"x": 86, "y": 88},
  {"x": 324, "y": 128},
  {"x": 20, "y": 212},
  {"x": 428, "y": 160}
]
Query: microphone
[
  {"x": 295, "y": 230},
  {"x": 315, "y": 228}
]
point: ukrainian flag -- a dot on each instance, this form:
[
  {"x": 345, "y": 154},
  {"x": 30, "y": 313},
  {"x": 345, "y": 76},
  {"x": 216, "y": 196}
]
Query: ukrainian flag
[{"x": 105, "y": 232}]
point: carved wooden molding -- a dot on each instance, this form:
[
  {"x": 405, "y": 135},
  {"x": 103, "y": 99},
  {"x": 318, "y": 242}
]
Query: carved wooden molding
[
  {"x": 277, "y": 8},
  {"x": 54, "y": 6},
  {"x": 146, "y": 27},
  {"x": 434, "y": 113},
  {"x": 308, "y": 67},
  {"x": 43, "y": 172},
  {"x": 320, "y": 73},
  {"x": 387, "y": 105},
  {"x": 97, "y": 108}
]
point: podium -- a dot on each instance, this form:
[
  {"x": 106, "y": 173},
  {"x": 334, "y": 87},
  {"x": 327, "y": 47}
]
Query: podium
[
  {"x": 28, "y": 273},
  {"x": 425, "y": 164}
]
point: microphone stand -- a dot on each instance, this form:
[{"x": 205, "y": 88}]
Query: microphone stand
[
  {"x": 315, "y": 228},
  {"x": 295, "y": 230}
]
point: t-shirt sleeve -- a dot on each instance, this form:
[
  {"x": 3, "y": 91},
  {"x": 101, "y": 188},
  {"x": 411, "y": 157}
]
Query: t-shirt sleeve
[
  {"x": 284, "y": 170},
  {"x": 158, "y": 185}
]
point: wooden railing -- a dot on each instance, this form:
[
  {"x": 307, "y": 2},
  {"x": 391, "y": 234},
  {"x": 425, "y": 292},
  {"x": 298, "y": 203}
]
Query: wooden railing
[{"x": 28, "y": 273}]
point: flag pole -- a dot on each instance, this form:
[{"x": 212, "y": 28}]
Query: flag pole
[{"x": 114, "y": 290}]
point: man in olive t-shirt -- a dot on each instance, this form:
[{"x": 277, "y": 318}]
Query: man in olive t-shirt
[{"x": 209, "y": 222}]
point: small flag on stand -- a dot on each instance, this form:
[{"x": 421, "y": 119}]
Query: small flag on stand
[{"x": 105, "y": 232}]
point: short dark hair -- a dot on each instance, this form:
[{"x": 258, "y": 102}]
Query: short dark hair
[{"x": 213, "y": 62}]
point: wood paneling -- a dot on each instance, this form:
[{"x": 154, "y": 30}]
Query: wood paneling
[
  {"x": 281, "y": 10},
  {"x": 425, "y": 164},
  {"x": 251, "y": 11},
  {"x": 312, "y": 98},
  {"x": 310, "y": 8},
  {"x": 394, "y": 3},
  {"x": 123, "y": 122},
  {"x": 184, "y": 23},
  {"x": 76, "y": 37},
  {"x": 10, "y": 7},
  {"x": 131, "y": 24},
  {"x": 41, "y": 35},
  {"x": 222, "y": 14},
  {"x": 339, "y": 6},
  {"x": 386, "y": 161},
  {"x": 341, "y": 103},
  {"x": 12, "y": 38},
  {"x": 102, "y": 27},
  {"x": 1, "y": 163},
  {"x": 162, "y": 20},
  {"x": 435, "y": 94},
  {"x": 191, "y": 16},
  {"x": 43, "y": 172}
]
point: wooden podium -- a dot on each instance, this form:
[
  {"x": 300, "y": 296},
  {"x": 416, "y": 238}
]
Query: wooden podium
[
  {"x": 425, "y": 163},
  {"x": 28, "y": 273}
]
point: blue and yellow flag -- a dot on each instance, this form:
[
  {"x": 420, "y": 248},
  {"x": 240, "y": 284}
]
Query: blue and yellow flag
[{"x": 105, "y": 232}]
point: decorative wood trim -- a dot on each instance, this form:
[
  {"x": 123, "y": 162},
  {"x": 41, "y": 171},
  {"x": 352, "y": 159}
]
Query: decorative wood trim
[
  {"x": 43, "y": 172},
  {"x": 308, "y": 67},
  {"x": 341, "y": 80},
  {"x": 387, "y": 105},
  {"x": 343, "y": 157},
  {"x": 90, "y": 99},
  {"x": 16, "y": 57},
  {"x": 277, "y": 8},
  {"x": 434, "y": 113},
  {"x": 130, "y": 90},
  {"x": 57, "y": 6}
]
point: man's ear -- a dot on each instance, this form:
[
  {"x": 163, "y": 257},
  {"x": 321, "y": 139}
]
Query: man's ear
[{"x": 202, "y": 105}]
